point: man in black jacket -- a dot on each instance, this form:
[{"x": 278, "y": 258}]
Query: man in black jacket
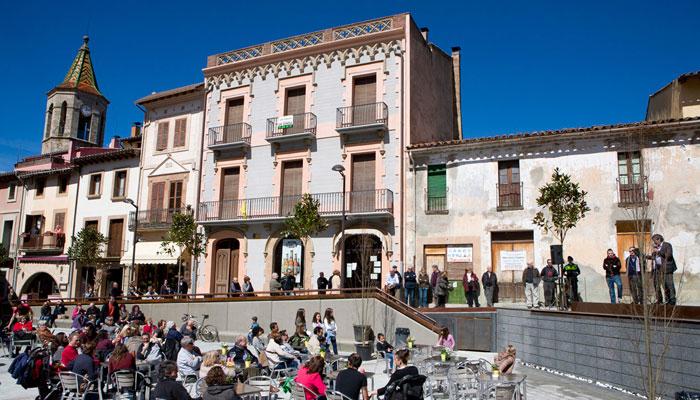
[
  {"x": 489, "y": 281},
  {"x": 322, "y": 283},
  {"x": 664, "y": 267},
  {"x": 635, "y": 269},
  {"x": 612, "y": 267},
  {"x": 549, "y": 278},
  {"x": 168, "y": 388}
]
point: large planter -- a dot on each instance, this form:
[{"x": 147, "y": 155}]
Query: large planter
[
  {"x": 364, "y": 350},
  {"x": 363, "y": 333}
]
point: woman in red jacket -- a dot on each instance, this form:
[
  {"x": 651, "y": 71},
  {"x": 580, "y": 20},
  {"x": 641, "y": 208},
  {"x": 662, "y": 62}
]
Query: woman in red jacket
[
  {"x": 22, "y": 330},
  {"x": 470, "y": 282},
  {"x": 310, "y": 376}
]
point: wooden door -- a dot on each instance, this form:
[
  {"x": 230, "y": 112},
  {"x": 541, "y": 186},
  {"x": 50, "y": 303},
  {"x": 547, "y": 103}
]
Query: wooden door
[
  {"x": 223, "y": 262},
  {"x": 362, "y": 195},
  {"x": 292, "y": 172},
  {"x": 116, "y": 229},
  {"x": 295, "y": 104},
  {"x": 229, "y": 193},
  {"x": 234, "y": 116},
  {"x": 509, "y": 282},
  {"x": 364, "y": 97},
  {"x": 434, "y": 259}
]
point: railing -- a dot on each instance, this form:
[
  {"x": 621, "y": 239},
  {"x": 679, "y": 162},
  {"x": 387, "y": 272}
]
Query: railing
[
  {"x": 330, "y": 204},
  {"x": 53, "y": 242},
  {"x": 510, "y": 195},
  {"x": 155, "y": 218},
  {"x": 301, "y": 123},
  {"x": 364, "y": 114},
  {"x": 436, "y": 204},
  {"x": 228, "y": 134},
  {"x": 633, "y": 193}
]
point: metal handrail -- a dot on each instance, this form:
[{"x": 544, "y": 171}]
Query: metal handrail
[
  {"x": 232, "y": 133},
  {"x": 362, "y": 114},
  {"x": 358, "y": 202},
  {"x": 301, "y": 123}
]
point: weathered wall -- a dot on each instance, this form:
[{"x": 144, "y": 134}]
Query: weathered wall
[{"x": 605, "y": 349}]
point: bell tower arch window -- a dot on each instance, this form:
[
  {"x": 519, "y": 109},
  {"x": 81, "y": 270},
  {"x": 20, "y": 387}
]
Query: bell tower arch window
[
  {"x": 49, "y": 120},
  {"x": 62, "y": 119}
]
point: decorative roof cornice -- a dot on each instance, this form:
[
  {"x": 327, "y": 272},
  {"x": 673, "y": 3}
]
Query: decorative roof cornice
[
  {"x": 372, "y": 50},
  {"x": 81, "y": 75}
]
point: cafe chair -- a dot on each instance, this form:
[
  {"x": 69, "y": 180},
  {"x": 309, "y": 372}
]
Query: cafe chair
[
  {"x": 334, "y": 395},
  {"x": 131, "y": 381},
  {"x": 72, "y": 388},
  {"x": 299, "y": 392},
  {"x": 267, "y": 385}
]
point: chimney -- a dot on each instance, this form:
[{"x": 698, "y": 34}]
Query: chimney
[
  {"x": 136, "y": 129},
  {"x": 457, "y": 107},
  {"x": 424, "y": 31},
  {"x": 114, "y": 143}
]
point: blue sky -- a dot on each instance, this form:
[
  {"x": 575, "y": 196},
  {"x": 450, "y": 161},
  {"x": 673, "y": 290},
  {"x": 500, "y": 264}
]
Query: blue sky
[{"x": 525, "y": 65}]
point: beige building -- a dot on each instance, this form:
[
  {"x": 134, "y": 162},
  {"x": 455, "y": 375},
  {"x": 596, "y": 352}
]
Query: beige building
[
  {"x": 678, "y": 99},
  {"x": 473, "y": 200}
]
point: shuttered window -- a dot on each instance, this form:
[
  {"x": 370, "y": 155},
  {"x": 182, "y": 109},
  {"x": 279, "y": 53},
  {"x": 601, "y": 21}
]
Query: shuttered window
[
  {"x": 175, "y": 195},
  {"x": 119, "y": 189},
  {"x": 157, "y": 195},
  {"x": 291, "y": 180},
  {"x": 59, "y": 220},
  {"x": 362, "y": 197},
  {"x": 229, "y": 187},
  {"x": 296, "y": 101},
  {"x": 162, "y": 138},
  {"x": 180, "y": 138},
  {"x": 508, "y": 172},
  {"x": 234, "y": 111},
  {"x": 437, "y": 180},
  {"x": 95, "y": 188},
  {"x": 364, "y": 90},
  {"x": 114, "y": 246}
]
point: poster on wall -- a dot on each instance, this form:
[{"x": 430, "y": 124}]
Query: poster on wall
[
  {"x": 513, "y": 260},
  {"x": 291, "y": 257},
  {"x": 461, "y": 253}
]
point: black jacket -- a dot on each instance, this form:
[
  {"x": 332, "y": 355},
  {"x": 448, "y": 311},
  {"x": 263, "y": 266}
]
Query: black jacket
[
  {"x": 612, "y": 266},
  {"x": 221, "y": 392},
  {"x": 410, "y": 280},
  {"x": 322, "y": 282},
  {"x": 168, "y": 389},
  {"x": 489, "y": 281}
]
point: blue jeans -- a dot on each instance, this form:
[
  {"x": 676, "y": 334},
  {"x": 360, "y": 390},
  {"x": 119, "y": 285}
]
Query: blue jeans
[
  {"x": 331, "y": 340},
  {"x": 411, "y": 296},
  {"x": 613, "y": 281},
  {"x": 423, "y": 297}
]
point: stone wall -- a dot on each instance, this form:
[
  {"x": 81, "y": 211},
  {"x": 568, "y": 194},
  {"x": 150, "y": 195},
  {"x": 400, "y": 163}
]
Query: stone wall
[{"x": 605, "y": 349}]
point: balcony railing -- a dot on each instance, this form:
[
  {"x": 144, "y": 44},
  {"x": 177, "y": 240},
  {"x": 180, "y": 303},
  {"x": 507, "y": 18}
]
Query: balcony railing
[
  {"x": 291, "y": 126},
  {"x": 372, "y": 116},
  {"x": 230, "y": 135},
  {"x": 633, "y": 192},
  {"x": 379, "y": 201},
  {"x": 160, "y": 218},
  {"x": 510, "y": 196},
  {"x": 54, "y": 242},
  {"x": 436, "y": 204}
]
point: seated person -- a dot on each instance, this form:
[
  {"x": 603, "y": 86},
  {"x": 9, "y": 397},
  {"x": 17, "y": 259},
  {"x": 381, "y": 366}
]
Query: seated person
[
  {"x": 61, "y": 343},
  {"x": 299, "y": 339},
  {"x": 45, "y": 312},
  {"x": 317, "y": 342},
  {"x": 351, "y": 382},
  {"x": 121, "y": 360},
  {"x": 385, "y": 349},
  {"x": 286, "y": 346},
  {"x": 257, "y": 341},
  {"x": 402, "y": 370},
  {"x": 23, "y": 330},
  {"x": 310, "y": 375},
  {"x": 277, "y": 355},
  {"x": 70, "y": 352},
  {"x": 187, "y": 361},
  {"x": 212, "y": 359},
  {"x": 104, "y": 345},
  {"x": 168, "y": 388},
  {"x": 189, "y": 329},
  {"x": 150, "y": 349},
  {"x": 218, "y": 386},
  {"x": 505, "y": 360},
  {"x": 109, "y": 327},
  {"x": 240, "y": 352},
  {"x": 44, "y": 335},
  {"x": 136, "y": 315},
  {"x": 85, "y": 364},
  {"x": 60, "y": 309}
]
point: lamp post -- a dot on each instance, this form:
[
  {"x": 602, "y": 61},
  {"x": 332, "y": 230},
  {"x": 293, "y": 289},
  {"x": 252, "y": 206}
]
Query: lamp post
[
  {"x": 341, "y": 170},
  {"x": 133, "y": 249}
]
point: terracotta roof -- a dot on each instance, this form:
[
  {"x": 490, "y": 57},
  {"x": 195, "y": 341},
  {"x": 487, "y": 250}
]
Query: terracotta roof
[
  {"x": 498, "y": 138},
  {"x": 117, "y": 154},
  {"x": 170, "y": 93},
  {"x": 45, "y": 172},
  {"x": 81, "y": 75},
  {"x": 688, "y": 75}
]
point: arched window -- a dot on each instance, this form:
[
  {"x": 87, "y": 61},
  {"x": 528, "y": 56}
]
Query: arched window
[
  {"x": 62, "y": 120},
  {"x": 84, "y": 124},
  {"x": 49, "y": 120},
  {"x": 289, "y": 257}
]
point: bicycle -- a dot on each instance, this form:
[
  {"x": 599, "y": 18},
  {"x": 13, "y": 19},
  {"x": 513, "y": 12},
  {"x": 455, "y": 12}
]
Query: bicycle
[{"x": 207, "y": 333}]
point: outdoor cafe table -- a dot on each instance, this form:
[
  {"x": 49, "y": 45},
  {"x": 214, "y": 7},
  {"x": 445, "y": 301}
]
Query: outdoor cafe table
[
  {"x": 453, "y": 360},
  {"x": 247, "y": 391},
  {"x": 486, "y": 381}
]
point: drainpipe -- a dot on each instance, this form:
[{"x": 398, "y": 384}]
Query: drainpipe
[
  {"x": 195, "y": 263},
  {"x": 138, "y": 188},
  {"x": 19, "y": 222}
]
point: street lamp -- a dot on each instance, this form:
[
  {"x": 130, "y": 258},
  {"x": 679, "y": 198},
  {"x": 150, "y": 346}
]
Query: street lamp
[
  {"x": 133, "y": 249},
  {"x": 341, "y": 170}
]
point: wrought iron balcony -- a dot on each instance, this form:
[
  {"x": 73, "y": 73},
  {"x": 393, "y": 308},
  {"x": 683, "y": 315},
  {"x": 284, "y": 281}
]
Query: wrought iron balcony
[
  {"x": 510, "y": 196},
  {"x": 633, "y": 192},
  {"x": 373, "y": 117},
  {"x": 230, "y": 136},
  {"x": 48, "y": 242},
  {"x": 436, "y": 204},
  {"x": 155, "y": 219},
  {"x": 291, "y": 127},
  {"x": 366, "y": 203}
]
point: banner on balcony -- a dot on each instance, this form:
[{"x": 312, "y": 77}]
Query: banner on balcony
[
  {"x": 285, "y": 122},
  {"x": 291, "y": 257}
]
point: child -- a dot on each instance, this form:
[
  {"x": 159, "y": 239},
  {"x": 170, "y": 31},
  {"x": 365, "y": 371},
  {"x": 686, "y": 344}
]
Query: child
[
  {"x": 385, "y": 349},
  {"x": 252, "y": 326}
]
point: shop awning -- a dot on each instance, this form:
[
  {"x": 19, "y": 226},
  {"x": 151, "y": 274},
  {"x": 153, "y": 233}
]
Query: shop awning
[{"x": 150, "y": 253}]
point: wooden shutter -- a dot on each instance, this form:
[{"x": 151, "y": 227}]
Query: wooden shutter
[
  {"x": 291, "y": 184},
  {"x": 364, "y": 90},
  {"x": 229, "y": 184},
  {"x": 234, "y": 111},
  {"x": 162, "y": 138},
  {"x": 116, "y": 228},
  {"x": 437, "y": 180},
  {"x": 508, "y": 172},
  {"x": 180, "y": 138},
  {"x": 362, "y": 197},
  {"x": 157, "y": 195},
  {"x": 175, "y": 195},
  {"x": 296, "y": 101}
]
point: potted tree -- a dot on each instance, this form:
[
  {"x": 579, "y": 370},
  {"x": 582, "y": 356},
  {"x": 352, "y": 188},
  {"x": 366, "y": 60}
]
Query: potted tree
[{"x": 364, "y": 335}]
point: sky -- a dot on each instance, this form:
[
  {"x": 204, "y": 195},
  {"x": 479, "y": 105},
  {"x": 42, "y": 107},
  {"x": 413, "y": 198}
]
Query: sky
[{"x": 526, "y": 65}]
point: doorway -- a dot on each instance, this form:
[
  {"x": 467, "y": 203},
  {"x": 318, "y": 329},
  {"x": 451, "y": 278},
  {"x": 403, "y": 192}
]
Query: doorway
[
  {"x": 289, "y": 257},
  {"x": 40, "y": 286},
  {"x": 363, "y": 258},
  {"x": 225, "y": 264},
  {"x": 511, "y": 244}
]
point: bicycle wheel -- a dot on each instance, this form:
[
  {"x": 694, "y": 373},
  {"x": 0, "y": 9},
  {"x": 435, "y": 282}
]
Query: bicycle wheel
[{"x": 209, "y": 333}]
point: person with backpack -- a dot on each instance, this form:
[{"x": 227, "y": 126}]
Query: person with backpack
[{"x": 402, "y": 370}]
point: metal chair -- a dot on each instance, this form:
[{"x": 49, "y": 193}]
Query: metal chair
[
  {"x": 29, "y": 342},
  {"x": 335, "y": 395},
  {"x": 189, "y": 382},
  {"x": 299, "y": 392},
  {"x": 462, "y": 383},
  {"x": 337, "y": 365},
  {"x": 502, "y": 391},
  {"x": 131, "y": 381},
  {"x": 266, "y": 384},
  {"x": 200, "y": 387},
  {"x": 432, "y": 389},
  {"x": 72, "y": 388}
]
